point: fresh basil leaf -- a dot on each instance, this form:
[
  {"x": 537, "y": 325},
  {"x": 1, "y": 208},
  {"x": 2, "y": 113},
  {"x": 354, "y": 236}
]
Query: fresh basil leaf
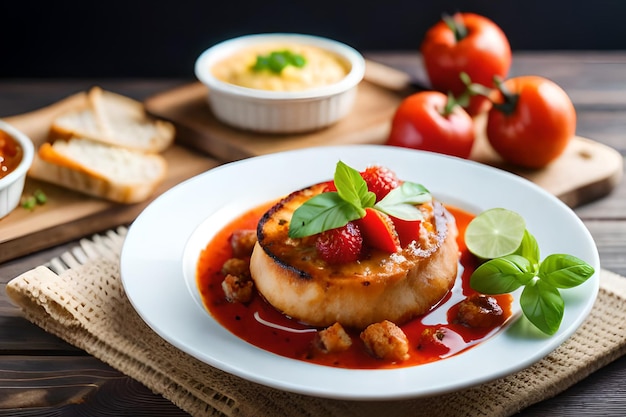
[
  {"x": 401, "y": 201},
  {"x": 529, "y": 248},
  {"x": 352, "y": 187},
  {"x": 402, "y": 211},
  {"x": 540, "y": 300},
  {"x": 502, "y": 275},
  {"x": 565, "y": 271},
  {"x": 320, "y": 213},
  {"x": 543, "y": 306},
  {"x": 407, "y": 193}
]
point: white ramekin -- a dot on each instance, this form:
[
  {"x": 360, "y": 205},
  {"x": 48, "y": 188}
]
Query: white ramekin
[
  {"x": 12, "y": 186},
  {"x": 276, "y": 111}
]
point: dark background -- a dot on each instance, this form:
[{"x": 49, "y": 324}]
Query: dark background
[{"x": 162, "y": 39}]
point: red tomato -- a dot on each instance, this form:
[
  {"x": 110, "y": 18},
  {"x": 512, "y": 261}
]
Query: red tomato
[
  {"x": 482, "y": 52},
  {"x": 378, "y": 231},
  {"x": 421, "y": 122},
  {"x": 531, "y": 122},
  {"x": 408, "y": 230}
]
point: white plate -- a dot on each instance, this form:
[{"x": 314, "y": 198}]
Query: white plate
[{"x": 162, "y": 246}]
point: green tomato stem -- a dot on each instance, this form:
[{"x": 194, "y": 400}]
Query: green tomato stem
[
  {"x": 451, "y": 103},
  {"x": 456, "y": 25},
  {"x": 509, "y": 104}
]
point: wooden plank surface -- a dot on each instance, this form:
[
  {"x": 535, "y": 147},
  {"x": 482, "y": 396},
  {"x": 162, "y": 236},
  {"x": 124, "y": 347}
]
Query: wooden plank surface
[{"x": 43, "y": 385}]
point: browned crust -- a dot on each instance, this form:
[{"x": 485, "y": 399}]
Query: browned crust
[{"x": 394, "y": 287}]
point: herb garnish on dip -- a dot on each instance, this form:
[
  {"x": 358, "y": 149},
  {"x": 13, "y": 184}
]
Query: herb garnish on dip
[{"x": 284, "y": 66}]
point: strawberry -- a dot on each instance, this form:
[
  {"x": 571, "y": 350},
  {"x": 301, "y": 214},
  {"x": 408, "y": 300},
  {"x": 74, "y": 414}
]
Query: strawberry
[
  {"x": 340, "y": 245},
  {"x": 380, "y": 180},
  {"x": 378, "y": 231}
]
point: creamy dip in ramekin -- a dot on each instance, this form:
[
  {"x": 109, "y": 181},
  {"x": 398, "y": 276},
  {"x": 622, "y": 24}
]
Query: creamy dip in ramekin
[
  {"x": 299, "y": 99},
  {"x": 320, "y": 68}
]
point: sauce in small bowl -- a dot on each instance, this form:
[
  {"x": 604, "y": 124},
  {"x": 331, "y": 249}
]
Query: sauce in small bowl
[
  {"x": 11, "y": 154},
  {"x": 16, "y": 156}
]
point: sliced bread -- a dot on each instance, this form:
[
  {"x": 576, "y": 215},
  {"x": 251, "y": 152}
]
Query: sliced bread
[
  {"x": 114, "y": 173},
  {"x": 116, "y": 120}
]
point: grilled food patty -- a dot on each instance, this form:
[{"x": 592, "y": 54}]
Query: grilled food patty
[{"x": 292, "y": 277}]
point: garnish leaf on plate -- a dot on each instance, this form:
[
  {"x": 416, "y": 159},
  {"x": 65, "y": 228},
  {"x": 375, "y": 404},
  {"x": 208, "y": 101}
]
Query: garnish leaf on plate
[
  {"x": 541, "y": 300},
  {"x": 401, "y": 202},
  {"x": 333, "y": 209}
]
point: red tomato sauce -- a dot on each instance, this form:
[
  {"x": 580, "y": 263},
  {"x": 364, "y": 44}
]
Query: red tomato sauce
[
  {"x": 261, "y": 325},
  {"x": 10, "y": 154}
]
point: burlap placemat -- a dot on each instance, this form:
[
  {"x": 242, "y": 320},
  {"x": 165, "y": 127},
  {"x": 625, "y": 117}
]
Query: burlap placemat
[{"x": 79, "y": 297}]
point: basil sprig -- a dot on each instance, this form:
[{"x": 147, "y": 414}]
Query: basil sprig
[
  {"x": 334, "y": 209},
  {"x": 277, "y": 61},
  {"x": 541, "y": 300}
]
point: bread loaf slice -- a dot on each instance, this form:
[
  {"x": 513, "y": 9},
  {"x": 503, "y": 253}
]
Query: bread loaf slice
[
  {"x": 116, "y": 120},
  {"x": 117, "y": 174}
]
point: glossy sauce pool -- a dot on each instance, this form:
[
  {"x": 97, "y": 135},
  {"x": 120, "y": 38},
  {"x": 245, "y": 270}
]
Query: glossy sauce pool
[
  {"x": 261, "y": 325},
  {"x": 10, "y": 154}
]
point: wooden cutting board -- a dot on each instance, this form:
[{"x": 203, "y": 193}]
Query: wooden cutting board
[
  {"x": 587, "y": 170},
  {"x": 69, "y": 215}
]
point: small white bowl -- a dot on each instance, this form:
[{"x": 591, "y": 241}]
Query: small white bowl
[
  {"x": 12, "y": 185},
  {"x": 280, "y": 111}
]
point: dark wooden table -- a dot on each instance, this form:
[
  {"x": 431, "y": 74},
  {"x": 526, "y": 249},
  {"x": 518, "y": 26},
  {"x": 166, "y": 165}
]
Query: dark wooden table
[{"x": 40, "y": 375}]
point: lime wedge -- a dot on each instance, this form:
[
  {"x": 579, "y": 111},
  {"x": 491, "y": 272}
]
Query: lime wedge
[{"x": 494, "y": 233}]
